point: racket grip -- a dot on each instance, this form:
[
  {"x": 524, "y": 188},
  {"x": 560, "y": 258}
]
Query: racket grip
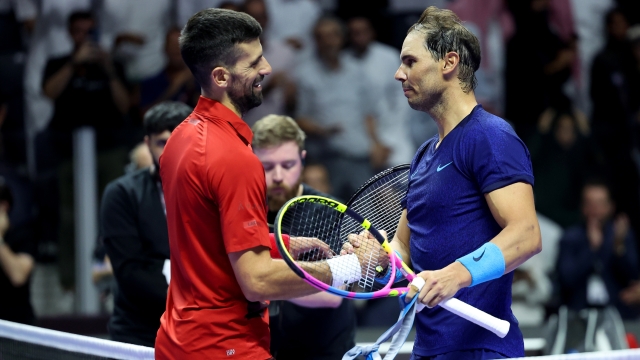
[{"x": 497, "y": 326}]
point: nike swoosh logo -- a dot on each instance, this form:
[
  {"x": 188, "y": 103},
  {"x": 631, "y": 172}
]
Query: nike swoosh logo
[
  {"x": 444, "y": 166},
  {"x": 476, "y": 259}
]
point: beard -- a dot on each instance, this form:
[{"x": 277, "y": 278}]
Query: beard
[
  {"x": 276, "y": 201},
  {"x": 245, "y": 98}
]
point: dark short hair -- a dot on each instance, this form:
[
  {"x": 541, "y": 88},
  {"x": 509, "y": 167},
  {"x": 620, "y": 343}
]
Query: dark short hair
[
  {"x": 79, "y": 15},
  {"x": 210, "y": 37},
  {"x": 5, "y": 192},
  {"x": 165, "y": 116},
  {"x": 444, "y": 32}
]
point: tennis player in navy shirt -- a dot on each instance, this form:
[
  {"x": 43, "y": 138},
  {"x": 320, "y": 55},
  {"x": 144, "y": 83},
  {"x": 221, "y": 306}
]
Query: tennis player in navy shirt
[{"x": 469, "y": 217}]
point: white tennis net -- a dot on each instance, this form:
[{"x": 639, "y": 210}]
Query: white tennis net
[{"x": 24, "y": 342}]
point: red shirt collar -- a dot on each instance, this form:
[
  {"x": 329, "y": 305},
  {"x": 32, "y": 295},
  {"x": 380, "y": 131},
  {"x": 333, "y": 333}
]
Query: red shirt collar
[{"x": 213, "y": 108}]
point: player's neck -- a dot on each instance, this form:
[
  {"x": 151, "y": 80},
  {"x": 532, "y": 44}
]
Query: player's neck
[
  {"x": 223, "y": 98},
  {"x": 451, "y": 110}
]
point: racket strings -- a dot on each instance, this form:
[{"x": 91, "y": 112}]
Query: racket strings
[{"x": 308, "y": 221}]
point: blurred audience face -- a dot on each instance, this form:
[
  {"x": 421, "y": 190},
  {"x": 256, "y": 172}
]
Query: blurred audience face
[
  {"x": 258, "y": 10},
  {"x": 172, "y": 49},
  {"x": 80, "y": 30},
  {"x": 141, "y": 156},
  {"x": 282, "y": 168},
  {"x": 361, "y": 33},
  {"x": 596, "y": 203},
  {"x": 329, "y": 38},
  {"x": 317, "y": 177},
  {"x": 245, "y": 88},
  {"x": 156, "y": 143},
  {"x": 565, "y": 131},
  {"x": 618, "y": 26},
  {"x": 419, "y": 73}
]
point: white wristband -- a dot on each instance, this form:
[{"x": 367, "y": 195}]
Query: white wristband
[{"x": 345, "y": 269}]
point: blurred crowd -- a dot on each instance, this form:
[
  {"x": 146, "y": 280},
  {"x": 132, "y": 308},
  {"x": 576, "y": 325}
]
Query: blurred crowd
[{"x": 564, "y": 73}]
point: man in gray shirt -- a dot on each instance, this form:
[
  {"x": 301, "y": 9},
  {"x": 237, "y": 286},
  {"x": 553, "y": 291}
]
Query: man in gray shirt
[{"x": 338, "y": 111}]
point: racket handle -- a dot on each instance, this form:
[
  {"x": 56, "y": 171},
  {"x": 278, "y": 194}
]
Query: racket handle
[{"x": 497, "y": 326}]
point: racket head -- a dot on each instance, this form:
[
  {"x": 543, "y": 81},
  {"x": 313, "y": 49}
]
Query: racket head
[
  {"x": 311, "y": 217},
  {"x": 380, "y": 199}
]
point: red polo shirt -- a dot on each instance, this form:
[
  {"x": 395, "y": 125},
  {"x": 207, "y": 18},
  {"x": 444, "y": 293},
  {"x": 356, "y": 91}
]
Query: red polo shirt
[{"x": 215, "y": 194}]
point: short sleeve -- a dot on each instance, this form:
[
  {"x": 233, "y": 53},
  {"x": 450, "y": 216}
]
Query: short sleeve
[
  {"x": 240, "y": 192},
  {"x": 495, "y": 157}
]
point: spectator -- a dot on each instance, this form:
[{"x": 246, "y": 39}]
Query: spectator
[
  {"x": 174, "y": 83},
  {"x": 548, "y": 61},
  {"x": 322, "y": 325},
  {"x": 563, "y": 155},
  {"x": 292, "y": 21},
  {"x": 87, "y": 81},
  {"x": 134, "y": 229},
  {"x": 139, "y": 158},
  {"x": 135, "y": 31},
  {"x": 340, "y": 123},
  {"x": 16, "y": 264},
  {"x": 612, "y": 95},
  {"x": 598, "y": 258},
  {"x": 380, "y": 63},
  {"x": 186, "y": 8},
  {"x": 278, "y": 89}
]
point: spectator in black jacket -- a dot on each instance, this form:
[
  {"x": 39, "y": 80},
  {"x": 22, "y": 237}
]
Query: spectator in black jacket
[
  {"x": 134, "y": 229},
  {"x": 597, "y": 264}
]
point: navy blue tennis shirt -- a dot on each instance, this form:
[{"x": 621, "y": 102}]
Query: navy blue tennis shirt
[{"x": 449, "y": 218}]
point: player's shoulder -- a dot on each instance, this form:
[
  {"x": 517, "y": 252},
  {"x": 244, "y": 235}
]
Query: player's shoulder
[
  {"x": 482, "y": 125},
  {"x": 130, "y": 181}
]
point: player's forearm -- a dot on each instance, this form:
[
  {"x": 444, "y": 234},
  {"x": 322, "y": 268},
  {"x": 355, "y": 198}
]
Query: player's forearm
[
  {"x": 518, "y": 241},
  {"x": 400, "y": 241},
  {"x": 276, "y": 281},
  {"x": 319, "y": 300},
  {"x": 17, "y": 267}
]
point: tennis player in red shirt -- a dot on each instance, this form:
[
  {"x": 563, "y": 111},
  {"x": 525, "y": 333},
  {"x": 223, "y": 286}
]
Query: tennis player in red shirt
[{"x": 222, "y": 271}]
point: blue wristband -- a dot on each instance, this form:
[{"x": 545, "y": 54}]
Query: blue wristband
[
  {"x": 385, "y": 280},
  {"x": 486, "y": 263}
]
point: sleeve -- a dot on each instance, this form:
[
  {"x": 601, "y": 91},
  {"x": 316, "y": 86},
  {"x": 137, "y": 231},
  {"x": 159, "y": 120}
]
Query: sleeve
[
  {"x": 495, "y": 158},
  {"x": 240, "y": 192},
  {"x": 139, "y": 276}
]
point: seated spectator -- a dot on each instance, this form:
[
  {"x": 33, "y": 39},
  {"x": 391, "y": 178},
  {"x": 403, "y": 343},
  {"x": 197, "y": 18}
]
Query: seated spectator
[
  {"x": 17, "y": 250},
  {"x": 136, "y": 239},
  {"x": 139, "y": 158},
  {"x": 598, "y": 257},
  {"x": 174, "y": 83}
]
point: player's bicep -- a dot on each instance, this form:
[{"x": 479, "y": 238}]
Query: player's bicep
[
  {"x": 512, "y": 203},
  {"x": 513, "y": 209}
]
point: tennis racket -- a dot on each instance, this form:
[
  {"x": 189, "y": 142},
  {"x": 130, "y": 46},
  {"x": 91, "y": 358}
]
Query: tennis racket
[{"x": 352, "y": 275}]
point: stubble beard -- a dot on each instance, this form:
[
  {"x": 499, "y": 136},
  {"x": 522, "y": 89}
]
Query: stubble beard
[
  {"x": 243, "y": 99},
  {"x": 275, "y": 202}
]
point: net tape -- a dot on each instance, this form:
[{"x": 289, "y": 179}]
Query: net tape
[{"x": 73, "y": 343}]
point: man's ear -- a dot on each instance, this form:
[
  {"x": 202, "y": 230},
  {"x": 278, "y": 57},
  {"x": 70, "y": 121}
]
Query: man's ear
[
  {"x": 451, "y": 61},
  {"x": 303, "y": 157},
  {"x": 220, "y": 77},
  {"x": 146, "y": 140}
]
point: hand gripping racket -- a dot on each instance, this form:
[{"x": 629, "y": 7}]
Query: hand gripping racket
[{"x": 309, "y": 218}]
